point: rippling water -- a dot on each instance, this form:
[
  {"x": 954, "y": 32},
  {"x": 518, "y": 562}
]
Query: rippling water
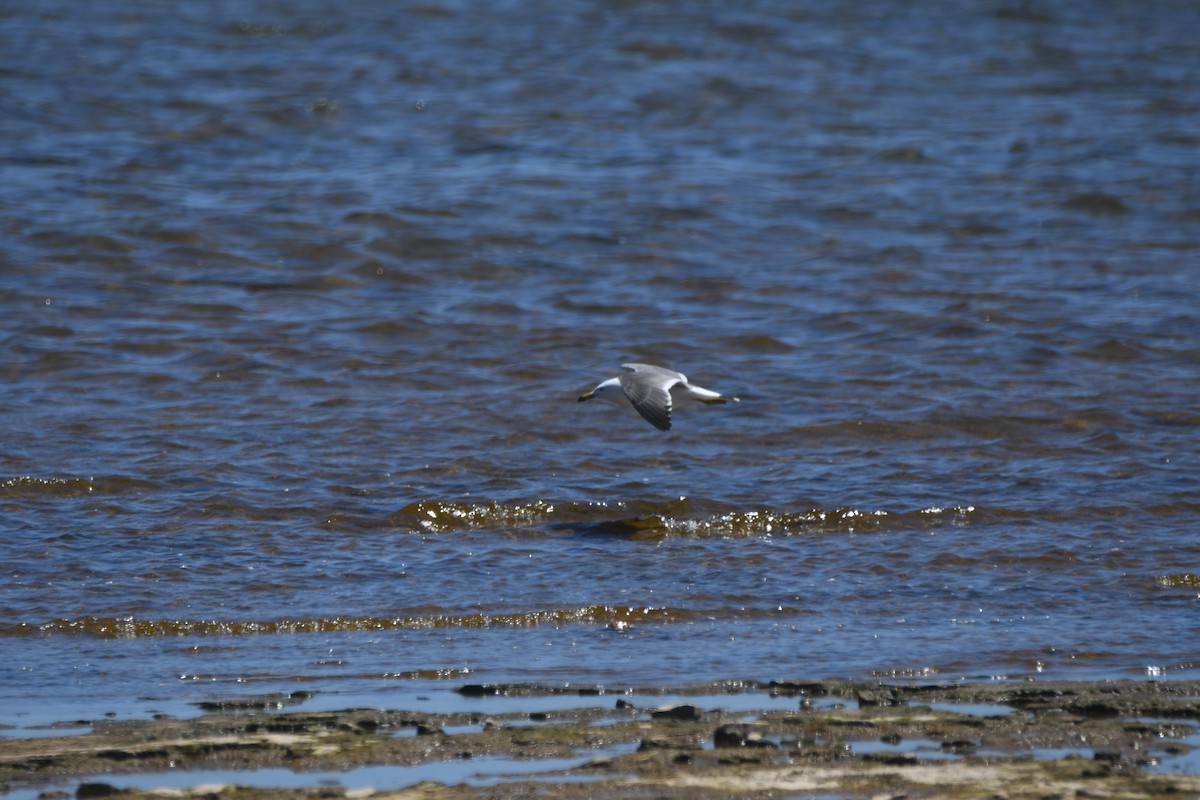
[{"x": 298, "y": 297}]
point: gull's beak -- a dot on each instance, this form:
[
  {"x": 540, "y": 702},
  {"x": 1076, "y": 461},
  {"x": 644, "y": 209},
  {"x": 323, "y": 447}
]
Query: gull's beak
[{"x": 586, "y": 396}]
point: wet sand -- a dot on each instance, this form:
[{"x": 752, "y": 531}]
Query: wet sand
[{"x": 830, "y": 738}]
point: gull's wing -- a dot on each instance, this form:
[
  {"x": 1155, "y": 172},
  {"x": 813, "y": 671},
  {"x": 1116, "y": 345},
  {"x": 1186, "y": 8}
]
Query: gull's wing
[{"x": 649, "y": 390}]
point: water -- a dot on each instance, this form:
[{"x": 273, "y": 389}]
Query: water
[
  {"x": 477, "y": 771},
  {"x": 297, "y": 300}
]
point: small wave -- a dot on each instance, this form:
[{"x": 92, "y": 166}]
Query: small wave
[
  {"x": 661, "y": 520},
  {"x": 1185, "y": 580},
  {"x": 30, "y": 486},
  {"x": 616, "y": 617},
  {"x": 443, "y": 517},
  {"x": 841, "y": 520}
]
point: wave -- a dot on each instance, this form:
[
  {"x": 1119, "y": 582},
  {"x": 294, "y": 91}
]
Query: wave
[
  {"x": 615, "y": 617},
  {"x": 654, "y": 520},
  {"x": 688, "y": 517},
  {"x": 30, "y": 486}
]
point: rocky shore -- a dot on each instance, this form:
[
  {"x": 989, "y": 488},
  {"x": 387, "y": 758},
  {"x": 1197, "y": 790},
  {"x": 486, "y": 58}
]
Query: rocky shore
[{"x": 830, "y": 738}]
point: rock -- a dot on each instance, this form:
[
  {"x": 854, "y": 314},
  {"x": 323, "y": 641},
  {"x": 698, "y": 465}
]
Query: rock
[
  {"x": 655, "y": 743},
  {"x": 88, "y": 791},
  {"x": 115, "y": 754},
  {"x": 797, "y": 688},
  {"x": 892, "y": 759},
  {"x": 1097, "y": 710},
  {"x": 684, "y": 713},
  {"x": 742, "y": 734},
  {"x": 877, "y": 697},
  {"x": 959, "y": 746}
]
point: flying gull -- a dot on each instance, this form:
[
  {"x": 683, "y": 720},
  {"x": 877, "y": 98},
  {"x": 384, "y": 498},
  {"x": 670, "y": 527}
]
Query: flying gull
[{"x": 653, "y": 391}]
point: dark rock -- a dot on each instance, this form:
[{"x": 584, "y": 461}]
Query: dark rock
[
  {"x": 623, "y": 704},
  {"x": 878, "y": 697},
  {"x": 742, "y": 734},
  {"x": 892, "y": 759},
  {"x": 684, "y": 713},
  {"x": 428, "y": 730},
  {"x": 88, "y": 791},
  {"x": 477, "y": 690},
  {"x": 736, "y": 760},
  {"x": 1095, "y": 710},
  {"x": 793, "y": 687},
  {"x": 658, "y": 743},
  {"x": 115, "y": 755}
]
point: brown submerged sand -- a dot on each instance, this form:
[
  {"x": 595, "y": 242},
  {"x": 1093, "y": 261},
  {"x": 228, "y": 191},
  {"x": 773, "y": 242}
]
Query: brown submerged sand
[{"x": 1124, "y": 739}]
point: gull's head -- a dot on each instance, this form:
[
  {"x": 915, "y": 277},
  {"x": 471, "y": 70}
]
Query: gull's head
[{"x": 607, "y": 390}]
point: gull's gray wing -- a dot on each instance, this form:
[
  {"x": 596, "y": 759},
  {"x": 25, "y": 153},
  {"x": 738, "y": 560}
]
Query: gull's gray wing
[{"x": 649, "y": 390}]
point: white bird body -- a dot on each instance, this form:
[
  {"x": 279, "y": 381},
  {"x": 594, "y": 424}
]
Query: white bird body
[{"x": 654, "y": 392}]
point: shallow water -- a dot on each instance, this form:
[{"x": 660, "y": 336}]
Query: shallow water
[
  {"x": 478, "y": 771},
  {"x": 297, "y": 301}
]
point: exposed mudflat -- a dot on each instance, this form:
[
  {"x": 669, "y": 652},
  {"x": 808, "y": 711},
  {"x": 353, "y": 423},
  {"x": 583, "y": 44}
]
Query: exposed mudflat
[{"x": 838, "y": 739}]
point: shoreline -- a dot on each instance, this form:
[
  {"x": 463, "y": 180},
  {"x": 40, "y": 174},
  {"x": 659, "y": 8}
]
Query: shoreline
[{"x": 836, "y": 738}]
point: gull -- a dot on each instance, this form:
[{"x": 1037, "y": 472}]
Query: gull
[{"x": 652, "y": 391}]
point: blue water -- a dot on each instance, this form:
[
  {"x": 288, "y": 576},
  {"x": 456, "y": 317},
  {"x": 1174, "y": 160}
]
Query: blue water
[{"x": 297, "y": 300}]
